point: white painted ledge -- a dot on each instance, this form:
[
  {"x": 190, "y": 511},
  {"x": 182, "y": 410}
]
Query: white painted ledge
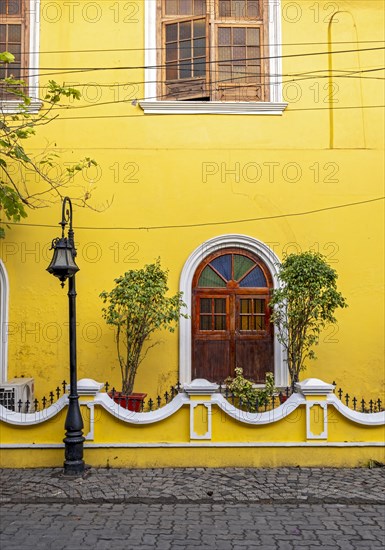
[
  {"x": 212, "y": 107},
  {"x": 13, "y": 106}
]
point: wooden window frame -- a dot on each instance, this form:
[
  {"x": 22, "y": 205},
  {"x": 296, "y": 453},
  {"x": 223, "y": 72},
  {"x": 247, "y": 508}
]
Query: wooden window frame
[
  {"x": 30, "y": 20},
  {"x": 213, "y": 22},
  {"x": 153, "y": 103},
  {"x": 21, "y": 19}
]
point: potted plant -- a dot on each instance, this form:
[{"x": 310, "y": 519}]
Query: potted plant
[
  {"x": 303, "y": 305},
  {"x": 137, "y": 306}
]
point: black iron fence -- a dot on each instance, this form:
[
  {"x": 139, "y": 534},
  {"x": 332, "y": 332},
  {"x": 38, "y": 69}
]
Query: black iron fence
[
  {"x": 140, "y": 404},
  {"x": 360, "y": 405}
]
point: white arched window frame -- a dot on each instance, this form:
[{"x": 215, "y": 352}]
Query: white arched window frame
[
  {"x": 275, "y": 106},
  {"x": 4, "y": 298},
  {"x": 244, "y": 242}
]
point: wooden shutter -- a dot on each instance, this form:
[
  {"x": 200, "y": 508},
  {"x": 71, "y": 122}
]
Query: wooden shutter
[
  {"x": 239, "y": 72},
  {"x": 238, "y": 49}
]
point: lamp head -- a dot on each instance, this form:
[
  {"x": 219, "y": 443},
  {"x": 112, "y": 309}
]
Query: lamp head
[{"x": 63, "y": 263}]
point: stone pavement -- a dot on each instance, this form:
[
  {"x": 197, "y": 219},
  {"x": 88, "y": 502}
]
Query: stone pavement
[
  {"x": 189, "y": 508},
  {"x": 201, "y": 485}
]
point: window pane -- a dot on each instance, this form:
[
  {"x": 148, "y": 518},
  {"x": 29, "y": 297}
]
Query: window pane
[
  {"x": 199, "y": 7},
  {"x": 172, "y": 71},
  {"x": 245, "y": 322},
  {"x": 259, "y": 306},
  {"x": 224, "y": 8},
  {"x": 185, "y": 7},
  {"x": 171, "y": 32},
  {"x": 239, "y": 36},
  {"x": 199, "y": 67},
  {"x": 220, "y": 322},
  {"x": 239, "y": 55},
  {"x": 205, "y": 322},
  {"x": 254, "y": 55},
  {"x": 171, "y": 7},
  {"x": 16, "y": 50},
  {"x": 239, "y": 9},
  {"x": 255, "y": 278},
  {"x": 3, "y": 33},
  {"x": 209, "y": 278},
  {"x": 15, "y": 71},
  {"x": 205, "y": 305},
  {"x": 14, "y": 33},
  {"x": 184, "y": 30},
  {"x": 224, "y": 36},
  {"x": 220, "y": 305},
  {"x": 245, "y": 306},
  {"x": 241, "y": 265},
  {"x": 252, "y": 10},
  {"x": 252, "y": 36},
  {"x": 185, "y": 69},
  {"x": 185, "y": 49},
  {"x": 199, "y": 47},
  {"x": 171, "y": 52},
  {"x": 223, "y": 265},
  {"x": 13, "y": 7},
  {"x": 260, "y": 322},
  {"x": 224, "y": 53},
  {"x": 199, "y": 28}
]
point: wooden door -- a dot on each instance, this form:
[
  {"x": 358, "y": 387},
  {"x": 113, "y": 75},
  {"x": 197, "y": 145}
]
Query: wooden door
[{"x": 231, "y": 318}]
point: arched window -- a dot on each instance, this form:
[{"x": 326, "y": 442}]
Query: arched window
[
  {"x": 231, "y": 316},
  {"x": 198, "y": 259}
]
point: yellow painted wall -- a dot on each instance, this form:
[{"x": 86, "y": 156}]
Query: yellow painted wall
[
  {"x": 169, "y": 442},
  {"x": 156, "y": 170}
]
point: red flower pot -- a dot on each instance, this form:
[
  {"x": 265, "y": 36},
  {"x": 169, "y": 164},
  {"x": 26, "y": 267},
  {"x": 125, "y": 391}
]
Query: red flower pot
[{"x": 132, "y": 402}]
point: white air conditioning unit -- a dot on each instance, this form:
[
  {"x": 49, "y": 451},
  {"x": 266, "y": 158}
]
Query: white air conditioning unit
[{"x": 17, "y": 395}]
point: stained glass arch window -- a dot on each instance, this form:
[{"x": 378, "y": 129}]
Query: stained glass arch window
[{"x": 238, "y": 268}]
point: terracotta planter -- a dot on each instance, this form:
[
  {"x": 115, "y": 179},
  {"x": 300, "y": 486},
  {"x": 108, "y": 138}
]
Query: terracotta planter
[
  {"x": 283, "y": 398},
  {"x": 132, "y": 402}
]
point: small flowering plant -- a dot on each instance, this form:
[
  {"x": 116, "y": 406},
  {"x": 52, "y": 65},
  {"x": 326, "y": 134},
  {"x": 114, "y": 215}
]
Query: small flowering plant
[{"x": 248, "y": 395}]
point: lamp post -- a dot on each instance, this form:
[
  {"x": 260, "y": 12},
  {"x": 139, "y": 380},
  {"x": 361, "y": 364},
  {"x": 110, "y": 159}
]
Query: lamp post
[{"x": 64, "y": 267}]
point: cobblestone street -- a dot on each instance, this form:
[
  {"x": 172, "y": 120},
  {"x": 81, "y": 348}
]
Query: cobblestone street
[{"x": 194, "y": 508}]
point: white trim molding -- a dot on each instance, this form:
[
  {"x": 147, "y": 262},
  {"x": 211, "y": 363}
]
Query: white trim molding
[
  {"x": 4, "y": 304},
  {"x": 243, "y": 242},
  {"x": 30, "y": 419},
  {"x": 275, "y": 106},
  {"x": 13, "y": 106},
  {"x": 212, "y": 107}
]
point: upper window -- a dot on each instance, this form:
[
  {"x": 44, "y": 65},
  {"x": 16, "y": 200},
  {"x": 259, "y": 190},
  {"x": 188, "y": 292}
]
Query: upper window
[
  {"x": 19, "y": 35},
  {"x": 213, "y": 50},
  {"x": 206, "y": 55}
]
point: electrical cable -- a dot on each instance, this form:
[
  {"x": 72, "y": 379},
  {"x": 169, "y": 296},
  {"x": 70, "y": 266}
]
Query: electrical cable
[{"x": 204, "y": 224}]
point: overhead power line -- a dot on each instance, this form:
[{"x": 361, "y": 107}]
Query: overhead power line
[
  {"x": 72, "y": 70},
  {"x": 205, "y": 224}
]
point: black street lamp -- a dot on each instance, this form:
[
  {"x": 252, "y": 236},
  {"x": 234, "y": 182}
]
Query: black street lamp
[{"x": 64, "y": 267}]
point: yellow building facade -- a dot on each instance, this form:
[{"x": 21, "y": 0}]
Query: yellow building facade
[{"x": 269, "y": 142}]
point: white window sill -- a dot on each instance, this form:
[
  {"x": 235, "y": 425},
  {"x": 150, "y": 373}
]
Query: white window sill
[
  {"x": 212, "y": 108},
  {"x": 13, "y": 106}
]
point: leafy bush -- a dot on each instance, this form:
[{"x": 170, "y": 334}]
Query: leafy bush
[{"x": 250, "y": 397}]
